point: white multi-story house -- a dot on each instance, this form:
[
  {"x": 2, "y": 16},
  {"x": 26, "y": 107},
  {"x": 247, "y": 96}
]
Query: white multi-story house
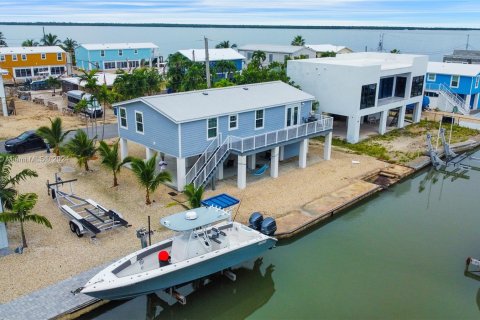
[
  {"x": 364, "y": 85},
  {"x": 276, "y": 53},
  {"x": 321, "y": 49}
]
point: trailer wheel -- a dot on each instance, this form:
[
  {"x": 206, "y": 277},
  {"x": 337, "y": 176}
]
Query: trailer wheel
[
  {"x": 73, "y": 226},
  {"x": 77, "y": 231}
]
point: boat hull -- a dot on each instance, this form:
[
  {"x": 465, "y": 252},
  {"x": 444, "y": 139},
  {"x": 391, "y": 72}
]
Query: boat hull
[{"x": 186, "y": 274}]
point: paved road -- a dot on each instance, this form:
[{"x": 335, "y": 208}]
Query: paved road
[{"x": 111, "y": 131}]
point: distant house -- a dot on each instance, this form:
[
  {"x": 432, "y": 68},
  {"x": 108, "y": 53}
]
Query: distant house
[
  {"x": 215, "y": 55},
  {"x": 365, "y": 86},
  {"x": 207, "y": 131},
  {"x": 276, "y": 53},
  {"x": 27, "y": 62},
  {"x": 112, "y": 56},
  {"x": 74, "y": 83},
  {"x": 321, "y": 49},
  {"x": 455, "y": 84},
  {"x": 463, "y": 56}
]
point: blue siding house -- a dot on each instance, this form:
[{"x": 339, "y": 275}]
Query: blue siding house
[
  {"x": 215, "y": 55},
  {"x": 208, "y": 130},
  {"x": 455, "y": 81},
  {"x": 112, "y": 56}
]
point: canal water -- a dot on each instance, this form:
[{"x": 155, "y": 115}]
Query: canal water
[{"x": 399, "y": 255}]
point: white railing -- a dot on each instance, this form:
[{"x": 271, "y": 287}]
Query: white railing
[
  {"x": 452, "y": 98},
  {"x": 209, "y": 160}
]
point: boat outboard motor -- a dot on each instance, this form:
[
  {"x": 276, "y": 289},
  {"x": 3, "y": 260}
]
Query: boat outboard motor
[
  {"x": 255, "y": 221},
  {"x": 269, "y": 226}
]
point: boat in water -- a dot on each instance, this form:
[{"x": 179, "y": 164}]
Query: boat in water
[{"x": 206, "y": 241}]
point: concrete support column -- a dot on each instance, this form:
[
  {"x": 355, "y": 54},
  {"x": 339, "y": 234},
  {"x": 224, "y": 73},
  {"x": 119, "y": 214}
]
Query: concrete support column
[
  {"x": 220, "y": 171},
  {"x": 181, "y": 174},
  {"x": 274, "y": 155},
  {"x": 401, "y": 117},
  {"x": 242, "y": 172},
  {"x": 468, "y": 98},
  {"x": 3, "y": 100},
  {"x": 281, "y": 155},
  {"x": 149, "y": 153},
  {"x": 353, "y": 129},
  {"x": 252, "y": 161},
  {"x": 123, "y": 148},
  {"x": 417, "y": 112},
  {"x": 327, "y": 146},
  {"x": 302, "y": 156},
  {"x": 382, "y": 124}
]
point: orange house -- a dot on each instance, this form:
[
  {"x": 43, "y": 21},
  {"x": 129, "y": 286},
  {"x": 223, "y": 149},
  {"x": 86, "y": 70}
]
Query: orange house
[{"x": 32, "y": 62}]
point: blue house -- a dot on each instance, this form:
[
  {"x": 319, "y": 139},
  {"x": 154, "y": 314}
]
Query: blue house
[
  {"x": 215, "y": 55},
  {"x": 205, "y": 131},
  {"x": 453, "y": 85},
  {"x": 112, "y": 56}
]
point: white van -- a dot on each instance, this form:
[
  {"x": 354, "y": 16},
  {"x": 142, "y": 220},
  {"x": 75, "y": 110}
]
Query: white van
[{"x": 93, "y": 110}]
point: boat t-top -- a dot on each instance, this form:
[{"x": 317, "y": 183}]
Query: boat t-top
[{"x": 207, "y": 241}]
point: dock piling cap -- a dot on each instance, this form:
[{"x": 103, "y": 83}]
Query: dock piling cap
[{"x": 163, "y": 255}]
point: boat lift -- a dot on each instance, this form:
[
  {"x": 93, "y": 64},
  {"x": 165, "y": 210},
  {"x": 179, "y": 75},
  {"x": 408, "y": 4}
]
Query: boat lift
[{"x": 86, "y": 216}]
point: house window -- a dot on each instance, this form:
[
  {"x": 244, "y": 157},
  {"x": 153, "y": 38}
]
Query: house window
[
  {"x": 477, "y": 80},
  {"x": 400, "y": 86},
  {"x": 455, "y": 81},
  {"x": 386, "y": 88},
  {"x": 22, "y": 73},
  {"x": 249, "y": 55},
  {"x": 2, "y": 57},
  {"x": 270, "y": 57},
  {"x": 135, "y": 51},
  {"x": 367, "y": 99},
  {"x": 431, "y": 77},
  {"x": 120, "y": 52},
  {"x": 14, "y": 57},
  {"x": 109, "y": 65},
  {"x": 122, "y": 64},
  {"x": 259, "y": 119},
  {"x": 211, "y": 128},
  {"x": 133, "y": 64},
  {"x": 123, "y": 118},
  {"x": 102, "y": 53},
  {"x": 139, "y": 121},
  {"x": 24, "y": 57},
  {"x": 59, "y": 56},
  {"x": 233, "y": 122},
  {"x": 417, "y": 86},
  {"x": 40, "y": 71},
  {"x": 292, "y": 116},
  {"x": 43, "y": 56},
  {"x": 57, "y": 70}
]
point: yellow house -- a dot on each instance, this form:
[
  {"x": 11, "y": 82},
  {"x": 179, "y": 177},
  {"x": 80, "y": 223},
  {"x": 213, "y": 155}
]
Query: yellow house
[{"x": 30, "y": 62}]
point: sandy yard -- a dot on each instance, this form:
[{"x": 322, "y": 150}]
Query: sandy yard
[
  {"x": 32, "y": 116},
  {"x": 57, "y": 254}
]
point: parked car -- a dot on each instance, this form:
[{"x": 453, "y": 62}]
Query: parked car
[
  {"x": 27, "y": 141},
  {"x": 93, "y": 110}
]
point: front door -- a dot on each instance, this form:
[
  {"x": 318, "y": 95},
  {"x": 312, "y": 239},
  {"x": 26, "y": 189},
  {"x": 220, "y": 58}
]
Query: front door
[{"x": 292, "y": 116}]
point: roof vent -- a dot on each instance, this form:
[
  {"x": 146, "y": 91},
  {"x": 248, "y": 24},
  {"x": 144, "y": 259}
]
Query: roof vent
[
  {"x": 191, "y": 215},
  {"x": 245, "y": 88},
  {"x": 205, "y": 93}
]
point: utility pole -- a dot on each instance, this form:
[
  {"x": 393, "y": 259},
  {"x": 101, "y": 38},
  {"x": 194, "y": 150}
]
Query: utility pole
[
  {"x": 43, "y": 28},
  {"x": 207, "y": 63},
  {"x": 468, "y": 42},
  {"x": 380, "y": 43}
]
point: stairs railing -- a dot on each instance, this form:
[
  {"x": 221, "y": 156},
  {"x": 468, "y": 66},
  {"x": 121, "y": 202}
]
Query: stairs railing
[
  {"x": 203, "y": 159},
  {"x": 453, "y": 99}
]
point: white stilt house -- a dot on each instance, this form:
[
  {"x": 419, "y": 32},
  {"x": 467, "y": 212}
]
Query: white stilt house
[{"x": 207, "y": 132}]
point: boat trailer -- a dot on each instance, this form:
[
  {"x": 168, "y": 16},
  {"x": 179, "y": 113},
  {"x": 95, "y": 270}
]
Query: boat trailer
[{"x": 86, "y": 216}]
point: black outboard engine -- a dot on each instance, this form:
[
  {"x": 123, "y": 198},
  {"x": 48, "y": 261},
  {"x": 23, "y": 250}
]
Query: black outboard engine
[
  {"x": 255, "y": 221},
  {"x": 269, "y": 226}
]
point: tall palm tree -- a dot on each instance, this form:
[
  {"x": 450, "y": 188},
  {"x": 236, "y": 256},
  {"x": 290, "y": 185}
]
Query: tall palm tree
[
  {"x": 111, "y": 160},
  {"x": 146, "y": 175},
  {"x": 298, "y": 41},
  {"x": 9, "y": 182},
  {"x": 90, "y": 83},
  {"x": 21, "y": 212},
  {"x": 54, "y": 83},
  {"x": 225, "y": 44},
  {"x": 69, "y": 45},
  {"x": 54, "y": 134},
  {"x": 177, "y": 66},
  {"x": 82, "y": 148},
  {"x": 225, "y": 67},
  {"x": 3, "y": 43},
  {"x": 258, "y": 57},
  {"x": 29, "y": 43},
  {"x": 104, "y": 97},
  {"x": 194, "y": 195},
  {"x": 395, "y": 51},
  {"x": 50, "y": 40}
]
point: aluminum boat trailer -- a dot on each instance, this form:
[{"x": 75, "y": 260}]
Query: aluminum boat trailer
[{"x": 86, "y": 216}]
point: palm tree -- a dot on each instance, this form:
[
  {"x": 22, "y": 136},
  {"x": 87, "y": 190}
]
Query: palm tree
[
  {"x": 69, "y": 45},
  {"x": 147, "y": 176},
  {"x": 395, "y": 51},
  {"x": 82, "y": 148},
  {"x": 194, "y": 195},
  {"x": 104, "y": 96},
  {"x": 298, "y": 41},
  {"x": 53, "y": 82},
  {"x": 2, "y": 40},
  {"x": 53, "y": 134},
  {"x": 225, "y": 44},
  {"x": 50, "y": 40},
  {"x": 29, "y": 43},
  {"x": 258, "y": 57},
  {"x": 225, "y": 67},
  {"x": 111, "y": 160},
  {"x": 8, "y": 182},
  {"x": 195, "y": 78},
  {"x": 22, "y": 206},
  {"x": 177, "y": 67}
]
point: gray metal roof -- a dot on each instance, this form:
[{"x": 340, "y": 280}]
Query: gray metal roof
[
  {"x": 203, "y": 217},
  {"x": 203, "y": 104},
  {"x": 272, "y": 48}
]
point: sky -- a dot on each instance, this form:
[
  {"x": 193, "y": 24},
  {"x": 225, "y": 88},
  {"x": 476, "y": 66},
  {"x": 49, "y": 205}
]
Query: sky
[{"x": 421, "y": 13}]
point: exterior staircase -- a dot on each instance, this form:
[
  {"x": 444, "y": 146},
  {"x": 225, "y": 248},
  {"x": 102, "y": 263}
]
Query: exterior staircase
[
  {"x": 218, "y": 150},
  {"x": 456, "y": 102}
]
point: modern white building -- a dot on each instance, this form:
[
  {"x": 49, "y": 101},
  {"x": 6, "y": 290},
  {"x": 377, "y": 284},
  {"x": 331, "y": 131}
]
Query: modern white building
[
  {"x": 3, "y": 99},
  {"x": 276, "y": 53},
  {"x": 364, "y": 86},
  {"x": 320, "y": 49}
]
